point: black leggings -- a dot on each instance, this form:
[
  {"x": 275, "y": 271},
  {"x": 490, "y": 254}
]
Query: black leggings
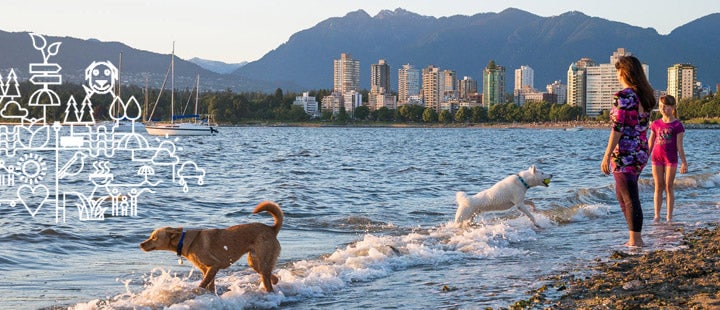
[{"x": 626, "y": 190}]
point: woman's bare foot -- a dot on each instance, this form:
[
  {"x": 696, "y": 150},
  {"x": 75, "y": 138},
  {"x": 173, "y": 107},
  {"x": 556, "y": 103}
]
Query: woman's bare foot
[
  {"x": 656, "y": 220},
  {"x": 636, "y": 244}
]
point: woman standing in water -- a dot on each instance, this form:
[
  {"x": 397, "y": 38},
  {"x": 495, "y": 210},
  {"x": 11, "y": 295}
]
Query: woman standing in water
[{"x": 627, "y": 149}]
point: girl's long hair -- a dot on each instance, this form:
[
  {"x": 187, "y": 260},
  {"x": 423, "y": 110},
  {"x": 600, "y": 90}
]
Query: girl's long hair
[
  {"x": 669, "y": 100},
  {"x": 632, "y": 72}
]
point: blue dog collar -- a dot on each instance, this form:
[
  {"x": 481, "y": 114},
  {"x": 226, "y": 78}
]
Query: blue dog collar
[
  {"x": 180, "y": 244},
  {"x": 519, "y": 177}
]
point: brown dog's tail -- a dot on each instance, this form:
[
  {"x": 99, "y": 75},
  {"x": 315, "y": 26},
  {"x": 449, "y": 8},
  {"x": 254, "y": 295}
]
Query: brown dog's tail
[{"x": 274, "y": 210}]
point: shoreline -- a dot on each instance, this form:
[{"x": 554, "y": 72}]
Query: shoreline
[{"x": 687, "y": 278}]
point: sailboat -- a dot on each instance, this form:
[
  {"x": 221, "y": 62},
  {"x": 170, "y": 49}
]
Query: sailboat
[{"x": 196, "y": 127}]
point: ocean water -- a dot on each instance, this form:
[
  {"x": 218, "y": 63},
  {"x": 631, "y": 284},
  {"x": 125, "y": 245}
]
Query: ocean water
[{"x": 368, "y": 222}]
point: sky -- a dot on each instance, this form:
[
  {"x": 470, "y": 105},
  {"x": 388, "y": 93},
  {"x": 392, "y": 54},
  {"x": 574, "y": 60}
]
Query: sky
[{"x": 234, "y": 31}]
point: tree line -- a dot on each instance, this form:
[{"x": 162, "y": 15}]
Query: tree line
[{"x": 228, "y": 107}]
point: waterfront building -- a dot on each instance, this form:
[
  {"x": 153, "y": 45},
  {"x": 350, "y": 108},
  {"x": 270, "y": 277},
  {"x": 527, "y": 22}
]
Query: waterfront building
[
  {"x": 351, "y": 100},
  {"x": 493, "y": 84},
  {"x": 332, "y": 102},
  {"x": 379, "y": 82},
  {"x": 524, "y": 79},
  {"x": 559, "y": 90},
  {"x": 385, "y": 100},
  {"x": 467, "y": 87},
  {"x": 602, "y": 84},
  {"x": 346, "y": 74},
  {"x": 308, "y": 103},
  {"x": 448, "y": 86},
  {"x": 431, "y": 87},
  {"x": 577, "y": 82},
  {"x": 408, "y": 85},
  {"x": 682, "y": 81}
]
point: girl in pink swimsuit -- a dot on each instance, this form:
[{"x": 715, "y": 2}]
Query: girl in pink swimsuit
[{"x": 666, "y": 142}]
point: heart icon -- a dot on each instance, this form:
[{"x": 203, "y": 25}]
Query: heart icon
[{"x": 33, "y": 197}]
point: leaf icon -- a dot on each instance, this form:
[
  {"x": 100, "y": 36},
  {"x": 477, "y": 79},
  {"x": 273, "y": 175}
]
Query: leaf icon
[
  {"x": 38, "y": 41},
  {"x": 53, "y": 49}
]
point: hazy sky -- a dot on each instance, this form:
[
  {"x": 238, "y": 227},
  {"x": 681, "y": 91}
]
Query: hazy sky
[{"x": 245, "y": 30}]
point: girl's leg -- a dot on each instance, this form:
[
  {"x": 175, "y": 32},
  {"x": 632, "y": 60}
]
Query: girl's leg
[
  {"x": 658, "y": 172},
  {"x": 670, "y": 190}
]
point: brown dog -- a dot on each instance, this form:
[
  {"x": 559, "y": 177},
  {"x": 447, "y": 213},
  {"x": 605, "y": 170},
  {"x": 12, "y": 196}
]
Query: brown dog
[{"x": 213, "y": 249}]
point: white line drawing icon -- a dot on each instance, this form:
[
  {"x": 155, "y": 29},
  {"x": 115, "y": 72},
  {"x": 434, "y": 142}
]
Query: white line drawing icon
[{"x": 38, "y": 159}]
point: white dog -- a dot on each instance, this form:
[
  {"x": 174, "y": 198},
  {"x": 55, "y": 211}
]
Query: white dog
[{"x": 508, "y": 193}]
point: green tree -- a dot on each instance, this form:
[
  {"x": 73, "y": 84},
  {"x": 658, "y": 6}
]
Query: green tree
[
  {"x": 479, "y": 114},
  {"x": 463, "y": 115},
  {"x": 362, "y": 112},
  {"x": 342, "y": 116},
  {"x": 429, "y": 116},
  {"x": 445, "y": 117}
]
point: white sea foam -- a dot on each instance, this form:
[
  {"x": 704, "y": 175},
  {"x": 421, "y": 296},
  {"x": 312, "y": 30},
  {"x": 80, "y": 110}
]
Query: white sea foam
[{"x": 372, "y": 257}]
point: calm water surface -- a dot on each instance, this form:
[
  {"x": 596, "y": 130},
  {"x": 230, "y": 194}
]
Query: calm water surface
[{"x": 368, "y": 216}]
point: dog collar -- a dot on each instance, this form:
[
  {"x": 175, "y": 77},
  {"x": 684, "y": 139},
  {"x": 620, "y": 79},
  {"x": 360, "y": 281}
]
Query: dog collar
[
  {"x": 519, "y": 177},
  {"x": 180, "y": 244}
]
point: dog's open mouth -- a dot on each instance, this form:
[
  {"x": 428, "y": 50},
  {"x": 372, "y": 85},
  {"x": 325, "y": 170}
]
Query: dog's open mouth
[{"x": 546, "y": 182}]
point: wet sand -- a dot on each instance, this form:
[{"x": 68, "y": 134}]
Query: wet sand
[{"x": 688, "y": 278}]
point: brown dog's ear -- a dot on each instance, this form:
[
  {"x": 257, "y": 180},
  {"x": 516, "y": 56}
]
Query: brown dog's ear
[{"x": 174, "y": 232}]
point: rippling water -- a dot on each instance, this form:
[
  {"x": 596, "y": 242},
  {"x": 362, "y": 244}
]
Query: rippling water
[{"x": 367, "y": 225}]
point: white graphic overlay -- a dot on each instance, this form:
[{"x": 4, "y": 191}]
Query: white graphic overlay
[{"x": 70, "y": 163}]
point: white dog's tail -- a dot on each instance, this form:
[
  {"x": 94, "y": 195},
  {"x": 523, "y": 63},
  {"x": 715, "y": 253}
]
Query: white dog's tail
[{"x": 464, "y": 212}]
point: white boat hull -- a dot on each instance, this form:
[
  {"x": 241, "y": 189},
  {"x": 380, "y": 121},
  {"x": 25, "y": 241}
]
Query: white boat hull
[{"x": 181, "y": 129}]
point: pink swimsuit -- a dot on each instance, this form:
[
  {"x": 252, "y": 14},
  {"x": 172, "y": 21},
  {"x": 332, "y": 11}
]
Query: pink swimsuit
[{"x": 665, "y": 152}]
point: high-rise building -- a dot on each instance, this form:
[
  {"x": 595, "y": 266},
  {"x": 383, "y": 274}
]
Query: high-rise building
[
  {"x": 577, "y": 82},
  {"x": 380, "y": 77},
  {"x": 681, "y": 81},
  {"x": 346, "y": 74},
  {"x": 524, "y": 79},
  {"x": 493, "y": 84},
  {"x": 602, "y": 84},
  {"x": 559, "y": 89},
  {"x": 467, "y": 87},
  {"x": 379, "y": 81},
  {"x": 448, "y": 85},
  {"x": 431, "y": 87},
  {"x": 408, "y": 83}
]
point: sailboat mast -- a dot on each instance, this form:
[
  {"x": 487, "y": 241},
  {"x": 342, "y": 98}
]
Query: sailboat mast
[
  {"x": 197, "y": 92},
  {"x": 172, "y": 85},
  {"x": 119, "y": 72}
]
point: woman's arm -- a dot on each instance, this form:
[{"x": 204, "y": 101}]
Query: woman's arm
[{"x": 612, "y": 143}]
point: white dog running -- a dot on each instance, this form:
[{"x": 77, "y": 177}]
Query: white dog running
[{"x": 508, "y": 193}]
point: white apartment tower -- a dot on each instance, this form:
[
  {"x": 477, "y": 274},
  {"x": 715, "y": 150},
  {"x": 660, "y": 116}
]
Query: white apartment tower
[
  {"x": 559, "y": 89},
  {"x": 431, "y": 87},
  {"x": 308, "y": 103},
  {"x": 346, "y": 74},
  {"x": 524, "y": 79},
  {"x": 577, "y": 82},
  {"x": 681, "y": 81},
  {"x": 408, "y": 83},
  {"x": 602, "y": 84}
]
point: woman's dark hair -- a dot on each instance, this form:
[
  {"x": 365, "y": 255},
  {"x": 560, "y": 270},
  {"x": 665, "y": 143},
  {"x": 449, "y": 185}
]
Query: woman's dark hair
[{"x": 632, "y": 72}]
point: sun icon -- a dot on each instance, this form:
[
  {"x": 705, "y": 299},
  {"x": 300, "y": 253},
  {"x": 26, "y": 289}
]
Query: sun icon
[{"x": 32, "y": 168}]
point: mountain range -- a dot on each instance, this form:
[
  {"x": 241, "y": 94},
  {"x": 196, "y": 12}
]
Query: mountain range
[{"x": 511, "y": 38}]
